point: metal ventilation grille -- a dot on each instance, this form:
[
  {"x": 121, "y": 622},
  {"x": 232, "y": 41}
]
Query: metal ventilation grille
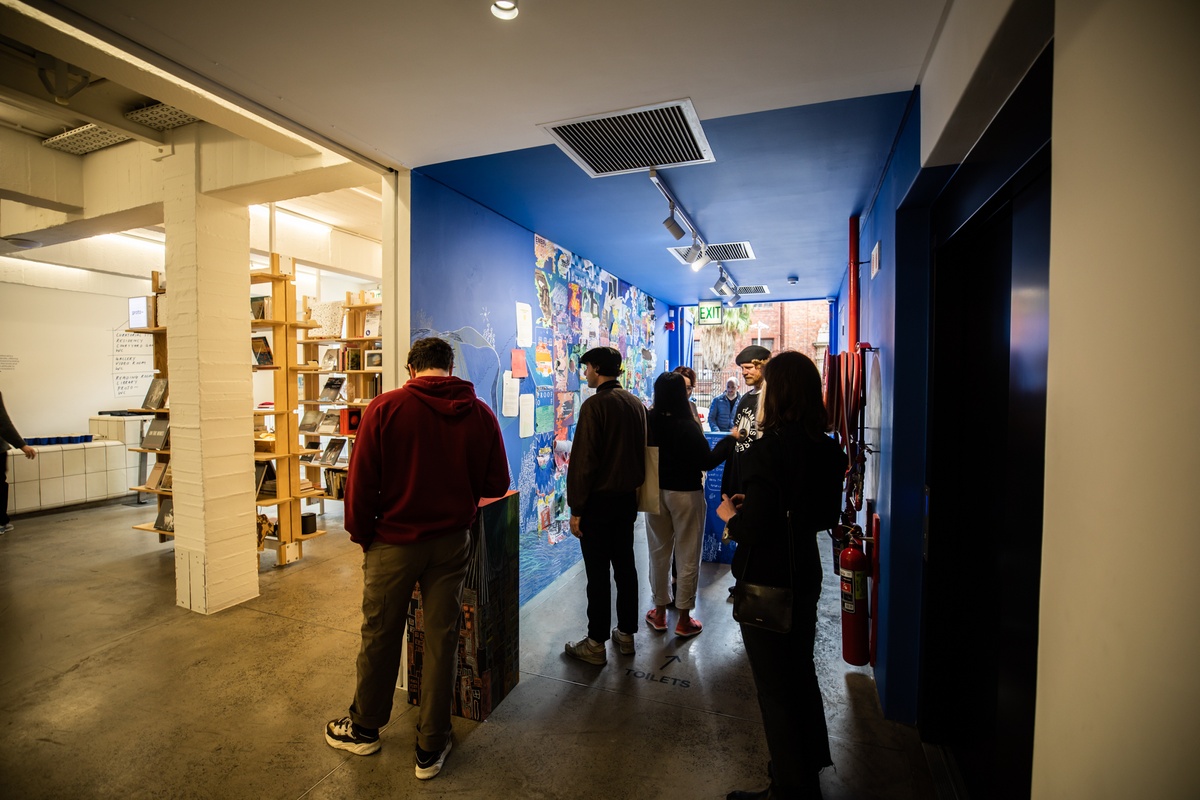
[
  {"x": 759, "y": 289},
  {"x": 160, "y": 117},
  {"x": 634, "y": 140},
  {"x": 85, "y": 139},
  {"x": 725, "y": 251}
]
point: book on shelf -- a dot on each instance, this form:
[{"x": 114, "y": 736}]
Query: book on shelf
[
  {"x": 264, "y": 479},
  {"x": 156, "y": 394},
  {"x": 354, "y": 359},
  {"x": 349, "y": 421},
  {"x": 167, "y": 481},
  {"x": 329, "y": 359},
  {"x": 310, "y": 457},
  {"x": 156, "y": 474},
  {"x": 311, "y": 419},
  {"x": 372, "y": 359},
  {"x": 332, "y": 389},
  {"x": 331, "y": 421},
  {"x": 166, "y": 516},
  {"x": 141, "y": 311},
  {"x": 158, "y": 434},
  {"x": 335, "y": 483},
  {"x": 372, "y": 322},
  {"x": 260, "y": 348},
  {"x": 333, "y": 451},
  {"x": 260, "y": 308},
  {"x": 329, "y": 319}
]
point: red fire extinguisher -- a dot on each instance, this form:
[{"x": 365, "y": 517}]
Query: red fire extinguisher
[{"x": 852, "y": 568}]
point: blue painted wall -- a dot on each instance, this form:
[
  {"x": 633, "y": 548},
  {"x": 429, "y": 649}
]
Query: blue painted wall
[{"x": 470, "y": 267}]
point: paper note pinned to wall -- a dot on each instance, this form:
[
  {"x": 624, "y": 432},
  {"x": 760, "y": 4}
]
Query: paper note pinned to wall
[
  {"x": 526, "y": 426},
  {"x": 524, "y": 325},
  {"x": 512, "y": 391},
  {"x": 520, "y": 368}
]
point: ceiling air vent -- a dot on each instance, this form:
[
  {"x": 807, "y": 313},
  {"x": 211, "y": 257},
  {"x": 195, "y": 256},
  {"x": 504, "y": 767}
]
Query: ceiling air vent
[
  {"x": 634, "y": 140},
  {"x": 160, "y": 117},
  {"x": 85, "y": 139},
  {"x": 725, "y": 251},
  {"x": 745, "y": 291}
]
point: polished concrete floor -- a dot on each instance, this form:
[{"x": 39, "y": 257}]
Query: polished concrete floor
[{"x": 107, "y": 689}]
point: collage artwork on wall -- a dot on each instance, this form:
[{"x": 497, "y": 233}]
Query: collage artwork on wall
[{"x": 578, "y": 306}]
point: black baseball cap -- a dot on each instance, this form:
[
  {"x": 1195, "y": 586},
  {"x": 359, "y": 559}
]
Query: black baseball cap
[
  {"x": 754, "y": 352},
  {"x": 605, "y": 360}
]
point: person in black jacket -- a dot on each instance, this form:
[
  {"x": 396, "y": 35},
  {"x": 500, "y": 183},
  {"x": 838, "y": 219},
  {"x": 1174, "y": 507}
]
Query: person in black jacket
[
  {"x": 606, "y": 468},
  {"x": 8, "y": 436},
  {"x": 683, "y": 455},
  {"x": 790, "y": 488}
]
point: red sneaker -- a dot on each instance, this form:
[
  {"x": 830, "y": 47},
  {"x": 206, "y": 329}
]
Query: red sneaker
[
  {"x": 657, "y": 618},
  {"x": 688, "y": 626}
]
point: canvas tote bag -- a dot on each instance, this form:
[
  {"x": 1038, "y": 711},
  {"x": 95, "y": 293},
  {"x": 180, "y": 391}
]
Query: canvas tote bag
[{"x": 649, "y": 497}]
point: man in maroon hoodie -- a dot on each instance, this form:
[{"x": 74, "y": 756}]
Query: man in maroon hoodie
[{"x": 424, "y": 456}]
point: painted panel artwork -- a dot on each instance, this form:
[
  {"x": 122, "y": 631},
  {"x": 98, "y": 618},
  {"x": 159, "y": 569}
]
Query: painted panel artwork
[{"x": 580, "y": 306}]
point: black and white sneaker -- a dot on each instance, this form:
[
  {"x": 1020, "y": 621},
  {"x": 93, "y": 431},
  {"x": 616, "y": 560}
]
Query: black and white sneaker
[
  {"x": 345, "y": 735},
  {"x": 430, "y": 764}
]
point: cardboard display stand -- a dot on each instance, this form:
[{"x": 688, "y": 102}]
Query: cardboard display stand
[{"x": 489, "y": 640}]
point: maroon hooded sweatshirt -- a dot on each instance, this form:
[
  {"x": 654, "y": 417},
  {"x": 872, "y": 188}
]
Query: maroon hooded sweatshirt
[{"x": 424, "y": 456}]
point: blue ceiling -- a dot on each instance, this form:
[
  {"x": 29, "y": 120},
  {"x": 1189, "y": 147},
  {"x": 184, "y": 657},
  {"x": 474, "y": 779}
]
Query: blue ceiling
[{"x": 787, "y": 181}]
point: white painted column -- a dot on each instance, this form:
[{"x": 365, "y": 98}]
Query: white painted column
[
  {"x": 397, "y": 291},
  {"x": 211, "y": 396}
]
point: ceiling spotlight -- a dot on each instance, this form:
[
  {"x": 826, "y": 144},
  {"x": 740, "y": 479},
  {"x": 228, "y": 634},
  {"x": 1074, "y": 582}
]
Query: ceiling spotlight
[
  {"x": 733, "y": 299},
  {"x": 505, "y": 9},
  {"x": 701, "y": 261},
  {"x": 722, "y": 287},
  {"x": 693, "y": 252},
  {"x": 671, "y": 225}
]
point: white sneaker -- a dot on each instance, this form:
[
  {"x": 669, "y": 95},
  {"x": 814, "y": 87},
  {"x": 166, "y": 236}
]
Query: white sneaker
[
  {"x": 431, "y": 764},
  {"x": 586, "y": 649},
  {"x": 6, "y": 528},
  {"x": 624, "y": 641}
]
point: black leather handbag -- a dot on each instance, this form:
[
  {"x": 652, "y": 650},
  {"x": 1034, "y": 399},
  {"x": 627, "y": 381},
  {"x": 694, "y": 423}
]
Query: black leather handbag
[{"x": 767, "y": 607}]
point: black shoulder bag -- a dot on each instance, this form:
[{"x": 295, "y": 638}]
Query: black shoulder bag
[{"x": 767, "y": 607}]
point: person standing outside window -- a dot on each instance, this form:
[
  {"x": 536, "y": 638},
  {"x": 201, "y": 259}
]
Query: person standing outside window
[
  {"x": 8, "y": 436},
  {"x": 424, "y": 456},
  {"x": 606, "y": 468},
  {"x": 723, "y": 406}
]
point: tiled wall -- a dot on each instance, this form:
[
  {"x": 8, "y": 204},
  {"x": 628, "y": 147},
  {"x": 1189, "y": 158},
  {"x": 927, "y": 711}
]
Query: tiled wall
[{"x": 63, "y": 474}]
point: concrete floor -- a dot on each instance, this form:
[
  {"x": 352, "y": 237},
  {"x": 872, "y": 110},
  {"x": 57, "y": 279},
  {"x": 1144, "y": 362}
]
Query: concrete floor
[{"x": 107, "y": 689}]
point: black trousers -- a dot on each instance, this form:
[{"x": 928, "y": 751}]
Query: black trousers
[
  {"x": 789, "y": 696},
  {"x": 607, "y": 540}
]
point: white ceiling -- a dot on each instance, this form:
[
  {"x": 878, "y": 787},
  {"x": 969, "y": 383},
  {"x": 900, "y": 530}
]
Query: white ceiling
[
  {"x": 398, "y": 83},
  {"x": 408, "y": 83}
]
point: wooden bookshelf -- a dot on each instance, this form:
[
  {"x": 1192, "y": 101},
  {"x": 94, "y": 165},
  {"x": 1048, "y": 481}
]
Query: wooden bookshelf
[{"x": 158, "y": 334}]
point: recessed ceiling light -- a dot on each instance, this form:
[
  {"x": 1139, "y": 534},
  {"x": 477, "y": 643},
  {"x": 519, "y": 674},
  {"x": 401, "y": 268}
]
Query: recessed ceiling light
[{"x": 505, "y": 9}]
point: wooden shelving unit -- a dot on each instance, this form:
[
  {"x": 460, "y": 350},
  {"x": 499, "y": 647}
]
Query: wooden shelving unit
[
  {"x": 158, "y": 332},
  {"x": 282, "y": 449},
  {"x": 361, "y": 384}
]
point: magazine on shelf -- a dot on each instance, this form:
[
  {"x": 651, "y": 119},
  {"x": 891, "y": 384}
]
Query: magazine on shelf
[
  {"x": 156, "y": 475},
  {"x": 329, "y": 359},
  {"x": 330, "y": 422},
  {"x": 311, "y": 419},
  {"x": 372, "y": 359},
  {"x": 329, "y": 319},
  {"x": 166, "y": 516},
  {"x": 332, "y": 451},
  {"x": 373, "y": 320},
  {"x": 167, "y": 481},
  {"x": 158, "y": 434},
  {"x": 260, "y": 348},
  {"x": 332, "y": 389},
  {"x": 354, "y": 360},
  {"x": 259, "y": 307},
  {"x": 156, "y": 394}
]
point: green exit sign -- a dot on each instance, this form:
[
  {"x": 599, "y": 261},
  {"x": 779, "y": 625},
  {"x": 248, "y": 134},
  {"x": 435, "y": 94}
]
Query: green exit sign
[{"x": 711, "y": 313}]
